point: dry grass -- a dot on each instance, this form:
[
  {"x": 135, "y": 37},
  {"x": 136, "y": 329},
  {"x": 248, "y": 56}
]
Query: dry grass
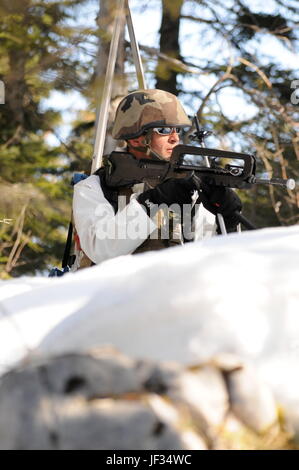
[{"x": 235, "y": 436}]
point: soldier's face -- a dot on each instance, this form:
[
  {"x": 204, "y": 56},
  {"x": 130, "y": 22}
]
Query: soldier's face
[{"x": 163, "y": 145}]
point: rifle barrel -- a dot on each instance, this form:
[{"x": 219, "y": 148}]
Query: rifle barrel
[{"x": 289, "y": 183}]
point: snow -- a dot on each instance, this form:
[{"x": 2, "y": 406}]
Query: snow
[{"x": 236, "y": 294}]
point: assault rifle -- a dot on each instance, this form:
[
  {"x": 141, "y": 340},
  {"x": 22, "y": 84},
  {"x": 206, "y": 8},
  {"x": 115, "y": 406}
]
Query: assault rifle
[
  {"x": 231, "y": 169},
  {"x": 223, "y": 168}
]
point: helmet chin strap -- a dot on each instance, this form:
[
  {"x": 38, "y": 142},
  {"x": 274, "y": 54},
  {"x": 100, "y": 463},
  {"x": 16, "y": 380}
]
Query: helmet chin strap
[{"x": 146, "y": 148}]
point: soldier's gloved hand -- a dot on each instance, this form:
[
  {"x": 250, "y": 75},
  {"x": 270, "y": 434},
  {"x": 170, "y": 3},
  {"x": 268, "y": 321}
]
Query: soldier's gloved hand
[
  {"x": 172, "y": 191},
  {"x": 221, "y": 200}
]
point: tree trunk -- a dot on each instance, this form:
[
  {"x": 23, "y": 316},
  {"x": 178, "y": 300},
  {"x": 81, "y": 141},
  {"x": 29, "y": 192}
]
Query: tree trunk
[
  {"x": 15, "y": 80},
  {"x": 166, "y": 75}
]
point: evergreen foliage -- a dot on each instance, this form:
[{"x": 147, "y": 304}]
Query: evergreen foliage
[{"x": 36, "y": 42}]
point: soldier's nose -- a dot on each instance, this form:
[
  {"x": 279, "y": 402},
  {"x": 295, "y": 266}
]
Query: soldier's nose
[{"x": 174, "y": 137}]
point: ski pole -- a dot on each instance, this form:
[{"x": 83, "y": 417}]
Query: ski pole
[
  {"x": 207, "y": 162},
  {"x": 135, "y": 49},
  {"x": 103, "y": 110}
]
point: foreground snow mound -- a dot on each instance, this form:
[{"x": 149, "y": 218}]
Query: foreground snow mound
[{"x": 236, "y": 294}]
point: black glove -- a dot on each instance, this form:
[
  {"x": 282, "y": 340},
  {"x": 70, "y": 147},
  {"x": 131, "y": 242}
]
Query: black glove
[
  {"x": 221, "y": 200},
  {"x": 172, "y": 191}
]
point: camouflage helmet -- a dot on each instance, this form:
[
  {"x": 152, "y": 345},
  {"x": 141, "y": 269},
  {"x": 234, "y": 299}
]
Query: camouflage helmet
[{"x": 145, "y": 109}]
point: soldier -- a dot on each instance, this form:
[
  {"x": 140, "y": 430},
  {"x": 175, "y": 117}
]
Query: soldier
[{"x": 137, "y": 217}]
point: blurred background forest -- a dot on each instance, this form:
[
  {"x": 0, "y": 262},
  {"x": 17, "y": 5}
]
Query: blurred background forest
[{"x": 234, "y": 63}]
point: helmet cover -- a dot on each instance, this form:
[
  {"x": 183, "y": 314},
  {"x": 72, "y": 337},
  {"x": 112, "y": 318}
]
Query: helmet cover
[{"x": 145, "y": 109}]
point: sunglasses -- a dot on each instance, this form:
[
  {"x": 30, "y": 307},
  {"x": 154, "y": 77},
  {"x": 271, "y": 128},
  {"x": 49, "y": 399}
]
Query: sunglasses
[{"x": 167, "y": 130}]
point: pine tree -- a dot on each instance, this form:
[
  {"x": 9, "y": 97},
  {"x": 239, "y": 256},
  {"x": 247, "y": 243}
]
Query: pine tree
[{"x": 37, "y": 55}]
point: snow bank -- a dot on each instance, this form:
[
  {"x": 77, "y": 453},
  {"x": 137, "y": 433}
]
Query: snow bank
[{"x": 236, "y": 294}]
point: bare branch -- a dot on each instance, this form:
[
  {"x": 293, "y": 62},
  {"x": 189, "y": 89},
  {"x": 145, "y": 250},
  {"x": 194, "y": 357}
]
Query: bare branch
[
  {"x": 257, "y": 69},
  {"x": 15, "y": 252}
]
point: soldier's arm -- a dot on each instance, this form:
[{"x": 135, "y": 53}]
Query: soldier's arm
[{"x": 102, "y": 233}]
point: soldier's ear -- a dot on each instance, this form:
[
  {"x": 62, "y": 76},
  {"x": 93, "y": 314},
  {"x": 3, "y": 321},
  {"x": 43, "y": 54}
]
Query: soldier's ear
[{"x": 136, "y": 142}]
